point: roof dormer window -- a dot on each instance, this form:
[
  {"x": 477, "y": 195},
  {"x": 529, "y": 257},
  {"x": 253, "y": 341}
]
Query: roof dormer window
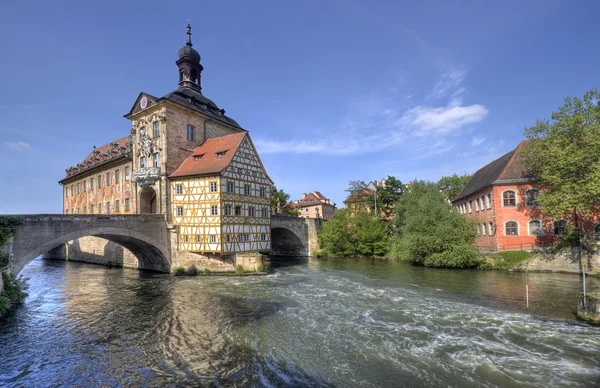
[
  {"x": 198, "y": 157},
  {"x": 220, "y": 154}
]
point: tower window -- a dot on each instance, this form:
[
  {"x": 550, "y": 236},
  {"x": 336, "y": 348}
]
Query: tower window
[
  {"x": 190, "y": 135},
  {"x": 181, "y": 75}
]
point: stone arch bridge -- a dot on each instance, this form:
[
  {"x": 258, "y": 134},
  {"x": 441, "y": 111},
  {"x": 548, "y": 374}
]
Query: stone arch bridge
[{"x": 147, "y": 237}]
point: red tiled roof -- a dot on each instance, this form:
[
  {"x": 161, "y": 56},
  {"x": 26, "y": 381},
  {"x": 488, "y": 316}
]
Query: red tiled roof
[
  {"x": 103, "y": 150},
  {"x": 208, "y": 163},
  {"x": 311, "y": 199}
]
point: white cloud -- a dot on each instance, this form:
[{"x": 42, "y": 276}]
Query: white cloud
[
  {"x": 391, "y": 120},
  {"x": 427, "y": 120},
  {"x": 18, "y": 145},
  {"x": 477, "y": 141}
]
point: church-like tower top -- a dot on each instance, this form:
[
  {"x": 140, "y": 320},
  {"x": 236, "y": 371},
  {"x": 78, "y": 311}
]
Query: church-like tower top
[{"x": 189, "y": 64}]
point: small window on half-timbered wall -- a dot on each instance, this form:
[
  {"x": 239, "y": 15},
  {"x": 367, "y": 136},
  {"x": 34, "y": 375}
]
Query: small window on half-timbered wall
[
  {"x": 213, "y": 238},
  {"x": 251, "y": 211},
  {"x": 247, "y": 189},
  {"x": 509, "y": 198},
  {"x": 511, "y": 228},
  {"x": 263, "y": 212},
  {"x": 178, "y": 189},
  {"x": 227, "y": 210},
  {"x": 213, "y": 187},
  {"x": 238, "y": 210},
  {"x": 179, "y": 210},
  {"x": 240, "y": 170},
  {"x": 263, "y": 191},
  {"x": 228, "y": 237},
  {"x": 197, "y": 239},
  {"x": 214, "y": 210},
  {"x": 230, "y": 187}
]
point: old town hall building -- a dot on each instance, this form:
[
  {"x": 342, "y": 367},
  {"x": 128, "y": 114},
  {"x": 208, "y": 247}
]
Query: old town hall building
[{"x": 183, "y": 158}]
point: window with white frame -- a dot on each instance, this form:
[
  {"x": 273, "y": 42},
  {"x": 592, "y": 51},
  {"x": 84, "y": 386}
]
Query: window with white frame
[
  {"x": 483, "y": 229},
  {"x": 117, "y": 175},
  {"x": 477, "y": 205},
  {"x": 251, "y": 211},
  {"x": 511, "y": 228},
  {"x": 559, "y": 227},
  {"x": 108, "y": 178},
  {"x": 126, "y": 173},
  {"x": 179, "y": 210},
  {"x": 143, "y": 162},
  {"x": 126, "y": 204},
  {"x": 263, "y": 191},
  {"x": 238, "y": 210},
  {"x": 227, "y": 210},
  {"x": 155, "y": 129},
  {"x": 228, "y": 238},
  {"x": 531, "y": 197},
  {"x": 213, "y": 187},
  {"x": 536, "y": 228},
  {"x": 478, "y": 230},
  {"x": 213, "y": 238},
  {"x": 230, "y": 187},
  {"x": 247, "y": 189},
  {"x": 178, "y": 189},
  {"x": 488, "y": 201},
  {"x": 117, "y": 206},
  {"x": 263, "y": 212},
  {"x": 197, "y": 239},
  {"x": 491, "y": 230},
  {"x": 156, "y": 160},
  {"x": 509, "y": 198},
  {"x": 214, "y": 210}
]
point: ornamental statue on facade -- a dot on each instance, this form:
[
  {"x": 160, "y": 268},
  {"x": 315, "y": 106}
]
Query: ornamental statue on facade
[{"x": 146, "y": 174}]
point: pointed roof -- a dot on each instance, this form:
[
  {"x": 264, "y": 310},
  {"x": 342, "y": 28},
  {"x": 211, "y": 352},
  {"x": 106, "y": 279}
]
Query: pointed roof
[
  {"x": 509, "y": 168},
  {"x": 204, "y": 159}
]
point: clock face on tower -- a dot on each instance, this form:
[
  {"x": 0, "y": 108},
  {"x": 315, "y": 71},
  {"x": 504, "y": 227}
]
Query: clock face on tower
[{"x": 144, "y": 102}]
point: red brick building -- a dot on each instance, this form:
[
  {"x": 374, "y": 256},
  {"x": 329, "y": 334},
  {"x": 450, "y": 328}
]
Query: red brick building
[{"x": 501, "y": 199}]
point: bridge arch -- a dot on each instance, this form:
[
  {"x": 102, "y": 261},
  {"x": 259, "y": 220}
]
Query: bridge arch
[
  {"x": 38, "y": 236},
  {"x": 294, "y": 236},
  {"x": 285, "y": 242}
]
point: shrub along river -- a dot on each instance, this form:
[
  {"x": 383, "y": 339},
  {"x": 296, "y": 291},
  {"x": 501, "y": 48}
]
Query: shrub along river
[{"x": 335, "y": 322}]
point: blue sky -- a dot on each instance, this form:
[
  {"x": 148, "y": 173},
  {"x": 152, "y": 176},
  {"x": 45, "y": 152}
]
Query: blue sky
[{"x": 330, "y": 90}]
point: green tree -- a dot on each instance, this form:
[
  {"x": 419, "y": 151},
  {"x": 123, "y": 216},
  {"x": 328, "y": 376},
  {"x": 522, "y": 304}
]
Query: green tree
[
  {"x": 355, "y": 186},
  {"x": 431, "y": 232},
  {"x": 563, "y": 156},
  {"x": 453, "y": 185},
  {"x": 280, "y": 203},
  {"x": 359, "y": 234},
  {"x": 387, "y": 196},
  {"x": 335, "y": 238}
]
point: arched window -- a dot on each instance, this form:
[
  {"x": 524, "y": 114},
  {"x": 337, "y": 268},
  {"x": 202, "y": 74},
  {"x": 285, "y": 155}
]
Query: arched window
[
  {"x": 194, "y": 76},
  {"x": 531, "y": 197},
  {"x": 491, "y": 228},
  {"x": 181, "y": 75},
  {"x": 597, "y": 230},
  {"x": 488, "y": 201},
  {"x": 559, "y": 227},
  {"x": 478, "y": 230},
  {"x": 511, "y": 228},
  {"x": 509, "y": 198},
  {"x": 536, "y": 228},
  {"x": 483, "y": 229}
]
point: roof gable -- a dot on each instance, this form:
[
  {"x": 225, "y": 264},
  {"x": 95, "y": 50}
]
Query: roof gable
[
  {"x": 486, "y": 175},
  {"x": 137, "y": 105}
]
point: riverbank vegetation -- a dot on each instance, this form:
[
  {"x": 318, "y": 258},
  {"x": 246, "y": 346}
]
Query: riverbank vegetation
[
  {"x": 430, "y": 232},
  {"x": 8, "y": 228},
  {"x": 505, "y": 260},
  {"x": 360, "y": 234},
  {"x": 14, "y": 292}
]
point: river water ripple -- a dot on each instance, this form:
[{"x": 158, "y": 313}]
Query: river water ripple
[{"x": 343, "y": 323}]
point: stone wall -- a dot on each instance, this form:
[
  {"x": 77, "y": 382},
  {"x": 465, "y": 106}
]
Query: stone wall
[
  {"x": 97, "y": 250},
  {"x": 206, "y": 261},
  {"x": 250, "y": 261},
  {"x": 563, "y": 261}
]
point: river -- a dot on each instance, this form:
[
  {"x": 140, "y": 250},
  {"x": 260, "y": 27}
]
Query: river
[{"x": 335, "y": 322}]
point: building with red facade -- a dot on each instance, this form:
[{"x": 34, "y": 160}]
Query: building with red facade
[
  {"x": 502, "y": 200},
  {"x": 314, "y": 205}
]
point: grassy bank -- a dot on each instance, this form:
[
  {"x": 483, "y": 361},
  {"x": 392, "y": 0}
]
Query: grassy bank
[{"x": 505, "y": 260}]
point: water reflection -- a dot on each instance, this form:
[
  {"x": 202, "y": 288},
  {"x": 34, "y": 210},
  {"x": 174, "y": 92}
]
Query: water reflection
[{"x": 338, "y": 322}]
